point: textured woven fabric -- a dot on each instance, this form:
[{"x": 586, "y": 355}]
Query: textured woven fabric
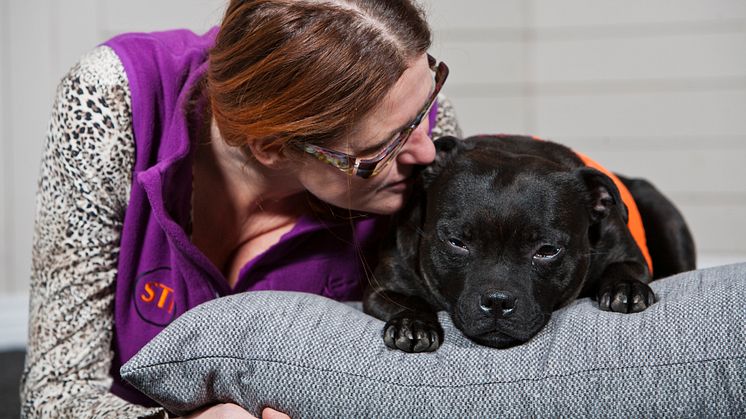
[{"x": 313, "y": 357}]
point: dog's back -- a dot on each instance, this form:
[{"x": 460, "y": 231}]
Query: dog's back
[{"x": 667, "y": 242}]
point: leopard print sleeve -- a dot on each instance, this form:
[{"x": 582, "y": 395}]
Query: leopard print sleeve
[
  {"x": 83, "y": 191},
  {"x": 445, "y": 121}
]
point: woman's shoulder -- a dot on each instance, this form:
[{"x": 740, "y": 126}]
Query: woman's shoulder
[
  {"x": 99, "y": 76},
  {"x": 101, "y": 66},
  {"x": 96, "y": 84},
  {"x": 91, "y": 126},
  {"x": 94, "y": 97}
]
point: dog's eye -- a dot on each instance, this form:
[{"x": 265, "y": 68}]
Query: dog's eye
[
  {"x": 547, "y": 252},
  {"x": 458, "y": 244}
]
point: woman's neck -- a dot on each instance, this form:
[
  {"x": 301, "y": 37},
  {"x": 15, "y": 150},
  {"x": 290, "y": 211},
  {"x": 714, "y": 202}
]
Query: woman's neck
[{"x": 240, "y": 208}]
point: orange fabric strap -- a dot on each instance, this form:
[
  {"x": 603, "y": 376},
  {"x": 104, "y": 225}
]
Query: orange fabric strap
[{"x": 635, "y": 220}]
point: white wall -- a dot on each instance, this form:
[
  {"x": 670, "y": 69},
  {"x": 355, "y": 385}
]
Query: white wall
[
  {"x": 4, "y": 143},
  {"x": 653, "y": 88}
]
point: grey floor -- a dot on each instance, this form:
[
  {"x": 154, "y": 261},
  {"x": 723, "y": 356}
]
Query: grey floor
[{"x": 11, "y": 365}]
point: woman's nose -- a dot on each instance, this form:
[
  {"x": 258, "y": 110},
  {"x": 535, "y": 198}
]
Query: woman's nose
[{"x": 419, "y": 149}]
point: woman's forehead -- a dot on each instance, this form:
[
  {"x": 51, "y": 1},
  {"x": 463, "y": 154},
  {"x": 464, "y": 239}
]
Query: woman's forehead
[{"x": 400, "y": 106}]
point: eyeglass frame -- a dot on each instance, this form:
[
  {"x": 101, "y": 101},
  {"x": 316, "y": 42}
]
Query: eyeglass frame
[{"x": 370, "y": 167}]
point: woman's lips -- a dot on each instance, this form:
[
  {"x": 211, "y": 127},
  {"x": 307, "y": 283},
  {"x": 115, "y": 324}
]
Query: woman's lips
[{"x": 399, "y": 185}]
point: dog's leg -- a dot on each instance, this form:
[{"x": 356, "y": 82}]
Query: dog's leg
[
  {"x": 411, "y": 323},
  {"x": 670, "y": 243},
  {"x": 621, "y": 291}
]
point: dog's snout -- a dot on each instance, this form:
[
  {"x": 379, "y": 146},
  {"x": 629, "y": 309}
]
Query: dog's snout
[{"x": 498, "y": 303}]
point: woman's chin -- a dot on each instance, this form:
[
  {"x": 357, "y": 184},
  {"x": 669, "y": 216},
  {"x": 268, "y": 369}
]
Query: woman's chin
[
  {"x": 384, "y": 200},
  {"x": 389, "y": 202}
]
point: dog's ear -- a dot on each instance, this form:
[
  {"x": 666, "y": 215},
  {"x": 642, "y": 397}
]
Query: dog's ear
[
  {"x": 603, "y": 194},
  {"x": 445, "y": 148}
]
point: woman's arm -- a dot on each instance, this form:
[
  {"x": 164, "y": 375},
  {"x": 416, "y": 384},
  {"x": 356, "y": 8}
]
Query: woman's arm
[{"x": 83, "y": 191}]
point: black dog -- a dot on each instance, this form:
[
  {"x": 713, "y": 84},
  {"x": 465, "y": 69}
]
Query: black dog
[{"x": 503, "y": 230}]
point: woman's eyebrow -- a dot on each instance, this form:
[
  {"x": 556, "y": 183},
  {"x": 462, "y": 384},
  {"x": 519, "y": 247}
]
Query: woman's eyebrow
[
  {"x": 387, "y": 139},
  {"x": 375, "y": 147},
  {"x": 395, "y": 131}
]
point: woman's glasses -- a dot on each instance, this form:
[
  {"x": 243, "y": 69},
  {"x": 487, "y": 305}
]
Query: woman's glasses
[{"x": 366, "y": 168}]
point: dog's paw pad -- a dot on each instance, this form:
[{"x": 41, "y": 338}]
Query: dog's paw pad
[
  {"x": 626, "y": 297},
  {"x": 411, "y": 335}
]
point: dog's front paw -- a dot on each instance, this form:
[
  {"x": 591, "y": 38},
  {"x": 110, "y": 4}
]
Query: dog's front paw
[
  {"x": 626, "y": 297},
  {"x": 412, "y": 334}
]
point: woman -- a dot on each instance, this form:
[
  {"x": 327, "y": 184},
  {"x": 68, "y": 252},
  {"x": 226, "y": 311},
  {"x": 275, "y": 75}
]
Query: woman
[{"x": 265, "y": 154}]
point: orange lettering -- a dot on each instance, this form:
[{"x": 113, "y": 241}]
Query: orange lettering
[
  {"x": 164, "y": 295},
  {"x": 149, "y": 291}
]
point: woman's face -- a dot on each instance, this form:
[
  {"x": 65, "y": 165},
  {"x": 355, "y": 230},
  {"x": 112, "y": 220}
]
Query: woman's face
[{"x": 386, "y": 192}]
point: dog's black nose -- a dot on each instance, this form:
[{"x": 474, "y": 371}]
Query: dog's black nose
[{"x": 498, "y": 303}]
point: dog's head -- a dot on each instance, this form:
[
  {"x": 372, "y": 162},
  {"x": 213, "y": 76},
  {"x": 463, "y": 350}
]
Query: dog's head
[{"x": 506, "y": 238}]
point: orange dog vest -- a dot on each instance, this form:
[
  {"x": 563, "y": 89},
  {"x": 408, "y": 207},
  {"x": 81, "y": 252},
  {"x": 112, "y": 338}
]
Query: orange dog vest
[{"x": 634, "y": 223}]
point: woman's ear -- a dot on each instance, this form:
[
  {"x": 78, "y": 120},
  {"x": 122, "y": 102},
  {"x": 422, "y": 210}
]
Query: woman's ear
[{"x": 269, "y": 152}]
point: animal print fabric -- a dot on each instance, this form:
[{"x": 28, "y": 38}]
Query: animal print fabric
[
  {"x": 83, "y": 193},
  {"x": 446, "y": 122}
]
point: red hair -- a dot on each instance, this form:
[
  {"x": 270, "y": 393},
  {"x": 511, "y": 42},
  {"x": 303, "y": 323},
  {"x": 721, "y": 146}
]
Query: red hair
[{"x": 308, "y": 70}]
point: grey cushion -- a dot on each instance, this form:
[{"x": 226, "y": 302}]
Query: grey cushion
[{"x": 313, "y": 357}]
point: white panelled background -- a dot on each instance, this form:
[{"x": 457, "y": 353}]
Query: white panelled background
[{"x": 651, "y": 88}]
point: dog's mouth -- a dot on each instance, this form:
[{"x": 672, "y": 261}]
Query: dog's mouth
[
  {"x": 503, "y": 339},
  {"x": 496, "y": 339},
  {"x": 502, "y": 335}
]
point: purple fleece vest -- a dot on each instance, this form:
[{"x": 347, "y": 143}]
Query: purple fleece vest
[{"x": 160, "y": 273}]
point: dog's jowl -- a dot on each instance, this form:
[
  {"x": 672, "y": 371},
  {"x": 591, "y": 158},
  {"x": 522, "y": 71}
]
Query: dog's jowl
[{"x": 503, "y": 230}]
